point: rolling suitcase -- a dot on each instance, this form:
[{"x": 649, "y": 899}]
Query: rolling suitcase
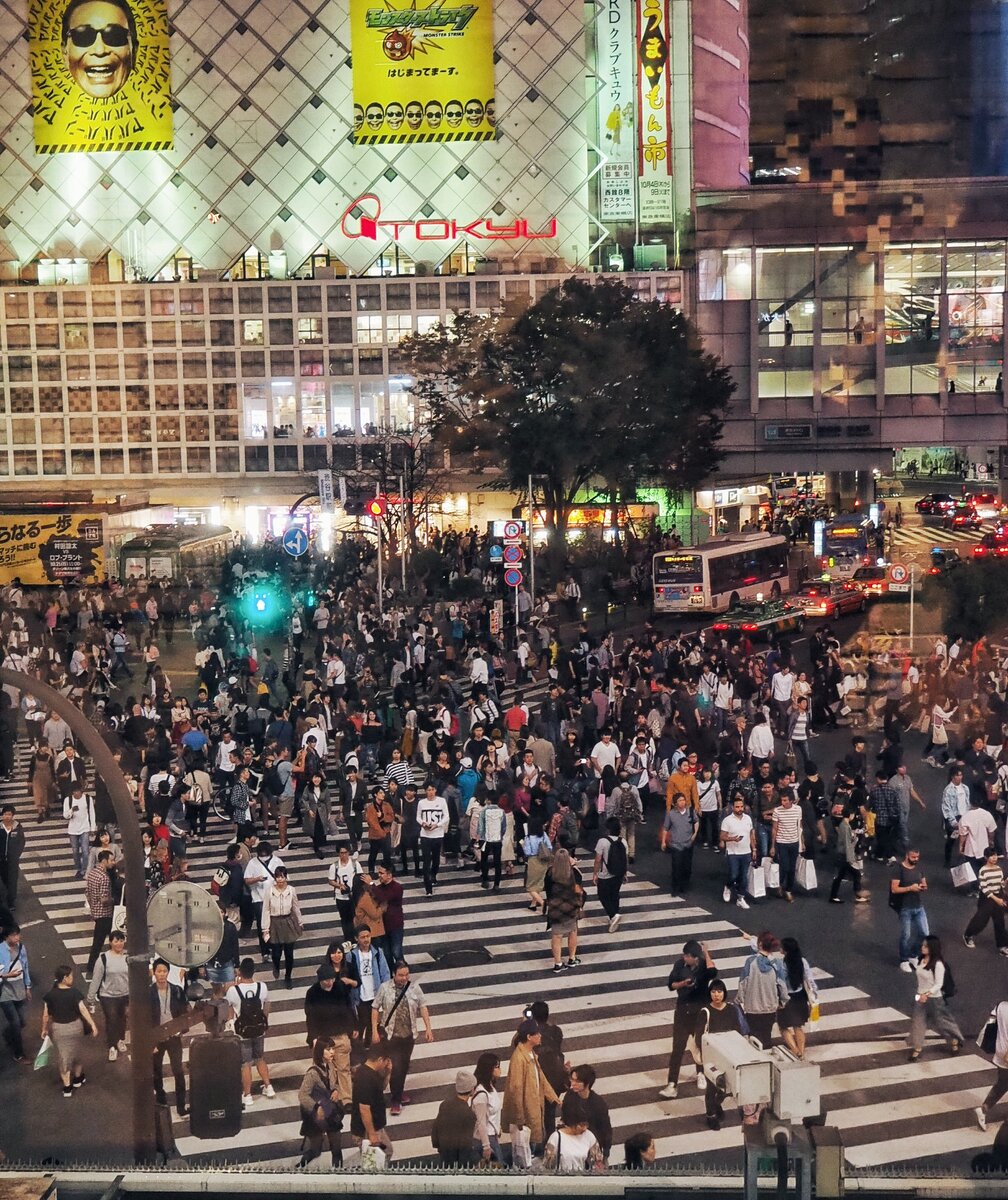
[{"x": 215, "y": 1097}]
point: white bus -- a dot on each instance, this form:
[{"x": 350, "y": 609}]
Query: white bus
[{"x": 721, "y": 573}]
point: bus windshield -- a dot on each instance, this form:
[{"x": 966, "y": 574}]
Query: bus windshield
[{"x": 678, "y": 567}]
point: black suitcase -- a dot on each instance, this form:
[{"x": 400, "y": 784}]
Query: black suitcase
[{"x": 215, "y": 1096}]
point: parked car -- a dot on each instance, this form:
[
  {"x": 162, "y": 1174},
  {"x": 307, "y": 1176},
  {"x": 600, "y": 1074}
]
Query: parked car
[
  {"x": 935, "y": 504},
  {"x": 822, "y": 598}
]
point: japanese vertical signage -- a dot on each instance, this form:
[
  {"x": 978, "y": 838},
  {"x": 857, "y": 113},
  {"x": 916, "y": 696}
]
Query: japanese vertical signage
[
  {"x": 615, "y": 106},
  {"x": 101, "y": 75},
  {"x": 422, "y": 71},
  {"x": 325, "y": 491},
  {"x": 654, "y": 123}
]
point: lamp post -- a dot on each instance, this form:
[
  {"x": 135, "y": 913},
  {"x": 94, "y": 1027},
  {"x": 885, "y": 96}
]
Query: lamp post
[{"x": 135, "y": 895}]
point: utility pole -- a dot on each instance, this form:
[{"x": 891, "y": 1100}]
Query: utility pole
[{"x": 531, "y": 542}]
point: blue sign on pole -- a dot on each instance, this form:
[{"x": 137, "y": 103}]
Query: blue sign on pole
[
  {"x": 295, "y": 541},
  {"x": 496, "y": 554}
]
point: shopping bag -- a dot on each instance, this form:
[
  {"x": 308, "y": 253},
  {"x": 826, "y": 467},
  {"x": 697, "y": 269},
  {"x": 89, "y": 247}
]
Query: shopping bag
[
  {"x": 119, "y": 917},
  {"x": 521, "y": 1148},
  {"x": 372, "y": 1158},
  {"x": 771, "y": 873},
  {"x": 805, "y": 875},
  {"x": 757, "y": 882},
  {"x": 963, "y": 875},
  {"x": 44, "y": 1053},
  {"x": 987, "y": 1037},
  {"x": 813, "y": 1015}
]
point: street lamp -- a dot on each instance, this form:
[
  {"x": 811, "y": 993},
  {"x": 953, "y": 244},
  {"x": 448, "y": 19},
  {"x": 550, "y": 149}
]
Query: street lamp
[{"x": 135, "y": 895}]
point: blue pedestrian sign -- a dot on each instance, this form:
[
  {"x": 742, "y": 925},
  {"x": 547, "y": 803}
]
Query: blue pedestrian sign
[{"x": 295, "y": 541}]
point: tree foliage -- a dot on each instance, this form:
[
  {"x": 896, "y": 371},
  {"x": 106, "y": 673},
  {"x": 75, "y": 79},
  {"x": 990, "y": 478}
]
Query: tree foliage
[{"x": 589, "y": 385}]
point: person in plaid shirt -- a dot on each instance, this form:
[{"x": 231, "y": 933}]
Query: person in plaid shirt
[
  {"x": 98, "y": 886},
  {"x": 883, "y": 801}
]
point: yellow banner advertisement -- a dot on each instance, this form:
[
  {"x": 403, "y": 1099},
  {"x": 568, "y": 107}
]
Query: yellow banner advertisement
[
  {"x": 52, "y": 547},
  {"x": 422, "y": 72},
  {"x": 101, "y": 77}
]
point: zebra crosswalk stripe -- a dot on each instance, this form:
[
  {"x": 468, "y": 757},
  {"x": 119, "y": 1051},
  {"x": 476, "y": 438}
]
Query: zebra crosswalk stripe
[{"x": 615, "y": 1010}]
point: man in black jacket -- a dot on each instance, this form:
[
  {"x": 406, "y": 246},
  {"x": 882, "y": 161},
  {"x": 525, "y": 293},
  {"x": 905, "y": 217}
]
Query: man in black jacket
[
  {"x": 168, "y": 1001},
  {"x": 582, "y": 1081},
  {"x": 329, "y": 1014},
  {"x": 12, "y": 844}
]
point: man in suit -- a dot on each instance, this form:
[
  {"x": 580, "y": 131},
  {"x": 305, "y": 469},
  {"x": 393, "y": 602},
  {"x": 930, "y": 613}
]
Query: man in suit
[
  {"x": 168, "y": 1002},
  {"x": 354, "y": 798}
]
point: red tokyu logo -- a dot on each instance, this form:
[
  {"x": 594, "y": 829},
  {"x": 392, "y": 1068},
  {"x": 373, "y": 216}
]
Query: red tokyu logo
[{"x": 363, "y": 219}]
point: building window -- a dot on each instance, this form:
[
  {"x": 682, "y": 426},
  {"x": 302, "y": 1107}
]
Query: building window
[
  {"x": 138, "y": 430},
  {"x": 170, "y": 460},
  {"x": 281, "y": 362},
  {"x": 221, "y": 300},
  {"x": 340, "y": 331},
  {"x": 19, "y": 336},
  {"x": 337, "y": 297},
  {"x": 54, "y": 462},
  {"x": 371, "y": 362},
  {"x": 194, "y": 397},
  {"x": 368, "y": 296},
  {"x": 253, "y": 364},
  {"x": 341, "y": 362},
  {"x": 281, "y": 333},
  {"x": 254, "y": 409},
  {"x": 141, "y": 462},
  {"x": 227, "y": 459},
  {"x": 309, "y": 299},
  {"x": 370, "y": 329},
  {"x": 222, "y": 364},
  {"x": 82, "y": 462},
  {"x": 111, "y": 461},
  {"x": 428, "y": 295},
  {"x": 311, "y": 363},
  {"x": 313, "y": 410},
  {"x": 197, "y": 429},
  {"x": 168, "y": 429},
  {"x": 285, "y": 458},
  {"x": 397, "y": 295},
  {"x": 309, "y": 330},
  {"x": 225, "y": 428},
  {"x": 279, "y": 299},
  {"x": 256, "y": 458},
  {"x": 400, "y": 325},
  {"x": 198, "y": 460}
]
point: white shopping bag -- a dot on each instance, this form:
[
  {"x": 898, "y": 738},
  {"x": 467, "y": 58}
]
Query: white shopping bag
[
  {"x": 771, "y": 873},
  {"x": 757, "y": 882},
  {"x": 805, "y": 875},
  {"x": 372, "y": 1158},
  {"x": 521, "y": 1147},
  {"x": 963, "y": 875}
]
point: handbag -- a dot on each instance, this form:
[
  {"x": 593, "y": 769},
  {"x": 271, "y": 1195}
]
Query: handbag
[
  {"x": 771, "y": 873},
  {"x": 757, "y": 882},
  {"x": 987, "y": 1037},
  {"x": 963, "y": 874},
  {"x": 805, "y": 875}
]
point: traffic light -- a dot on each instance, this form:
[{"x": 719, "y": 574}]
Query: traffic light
[
  {"x": 376, "y": 507},
  {"x": 264, "y": 603}
]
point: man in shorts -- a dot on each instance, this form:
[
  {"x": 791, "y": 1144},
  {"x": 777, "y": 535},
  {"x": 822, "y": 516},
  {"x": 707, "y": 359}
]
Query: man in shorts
[{"x": 249, "y": 1002}]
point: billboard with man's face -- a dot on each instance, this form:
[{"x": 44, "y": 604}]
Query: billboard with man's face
[
  {"x": 100, "y": 75},
  {"x": 422, "y": 72}
]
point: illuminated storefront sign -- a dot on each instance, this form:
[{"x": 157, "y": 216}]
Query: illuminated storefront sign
[
  {"x": 363, "y": 219},
  {"x": 101, "y": 75},
  {"x": 615, "y": 108},
  {"x": 422, "y": 73},
  {"x": 654, "y": 121}
]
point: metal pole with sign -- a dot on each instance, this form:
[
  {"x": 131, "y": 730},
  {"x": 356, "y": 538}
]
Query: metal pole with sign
[
  {"x": 913, "y": 580},
  {"x": 531, "y": 543},
  {"x": 402, "y": 528},
  {"x": 381, "y": 598}
]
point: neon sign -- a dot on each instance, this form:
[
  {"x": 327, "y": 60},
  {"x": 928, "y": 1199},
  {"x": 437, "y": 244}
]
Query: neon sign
[{"x": 436, "y": 229}]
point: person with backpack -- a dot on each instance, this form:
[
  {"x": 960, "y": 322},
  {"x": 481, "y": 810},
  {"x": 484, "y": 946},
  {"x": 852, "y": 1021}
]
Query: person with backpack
[
  {"x": 935, "y": 987},
  {"x": 110, "y": 985},
  {"x": 250, "y": 1005},
  {"x": 625, "y": 805},
  {"x": 680, "y": 829},
  {"x": 611, "y": 865}
]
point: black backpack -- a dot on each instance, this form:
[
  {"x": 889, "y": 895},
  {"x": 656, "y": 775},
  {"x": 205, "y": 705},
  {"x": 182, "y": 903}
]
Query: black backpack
[
  {"x": 949, "y": 986},
  {"x": 616, "y": 858},
  {"x": 251, "y": 1020}
]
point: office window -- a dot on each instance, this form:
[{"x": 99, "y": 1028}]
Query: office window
[
  {"x": 111, "y": 461},
  {"x": 22, "y": 400},
  {"x": 279, "y": 299},
  {"x": 311, "y": 363},
  {"x": 19, "y": 336},
  {"x": 194, "y": 396},
  {"x": 109, "y": 399},
  {"x": 337, "y": 297},
  {"x": 53, "y": 433},
  {"x": 226, "y": 458},
  {"x": 19, "y": 368},
  {"x": 103, "y": 302},
  {"x": 341, "y": 362},
  {"x": 250, "y": 300},
  {"x": 166, "y": 397},
  {"x": 54, "y": 462},
  {"x": 281, "y": 362},
  {"x": 168, "y": 429},
  {"x": 368, "y": 296},
  {"x": 225, "y": 395},
  {"x": 428, "y": 295},
  {"x": 106, "y": 366},
  {"x": 371, "y": 362},
  {"x": 78, "y": 399},
  {"x": 458, "y": 293},
  {"x": 370, "y": 329},
  {"x": 25, "y": 462},
  {"x": 141, "y": 462},
  {"x": 194, "y": 366},
  {"x": 163, "y": 302},
  {"x": 221, "y": 300},
  {"x": 197, "y": 429},
  {"x": 285, "y": 458},
  {"x": 50, "y": 400},
  {"x": 253, "y": 364},
  {"x": 137, "y": 397},
  {"x": 309, "y": 330},
  {"x": 257, "y": 458},
  {"x": 190, "y": 300},
  {"x": 16, "y": 302},
  {"x": 281, "y": 333},
  {"x": 313, "y": 409},
  {"x": 134, "y": 334},
  {"x": 309, "y": 298},
  {"x": 193, "y": 333},
  {"x": 82, "y": 462},
  {"x": 222, "y": 364},
  {"x": 198, "y": 460},
  {"x": 75, "y": 337},
  {"x": 340, "y": 330},
  {"x": 400, "y": 325},
  {"x": 74, "y": 304},
  {"x": 222, "y": 333},
  {"x": 110, "y": 429},
  {"x": 165, "y": 367},
  {"x": 81, "y": 431},
  {"x": 133, "y": 302},
  {"x": 138, "y": 429},
  {"x": 397, "y": 295},
  {"x": 169, "y": 459},
  {"x": 225, "y": 428},
  {"x": 47, "y": 336}
]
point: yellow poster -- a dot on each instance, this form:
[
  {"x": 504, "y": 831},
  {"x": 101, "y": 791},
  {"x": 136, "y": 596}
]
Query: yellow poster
[
  {"x": 101, "y": 75},
  {"x": 422, "y": 72},
  {"x": 52, "y": 547}
]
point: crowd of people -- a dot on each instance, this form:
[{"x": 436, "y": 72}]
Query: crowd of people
[{"x": 397, "y": 741}]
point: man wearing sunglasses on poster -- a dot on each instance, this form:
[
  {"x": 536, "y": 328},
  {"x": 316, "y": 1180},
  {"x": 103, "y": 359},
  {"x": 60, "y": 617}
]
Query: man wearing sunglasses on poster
[{"x": 99, "y": 43}]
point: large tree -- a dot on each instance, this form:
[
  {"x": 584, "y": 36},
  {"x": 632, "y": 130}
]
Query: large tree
[{"x": 588, "y": 385}]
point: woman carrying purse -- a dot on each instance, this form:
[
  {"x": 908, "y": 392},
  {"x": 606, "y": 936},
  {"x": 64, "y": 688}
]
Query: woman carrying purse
[
  {"x": 321, "y": 1108},
  {"x": 281, "y": 924}
]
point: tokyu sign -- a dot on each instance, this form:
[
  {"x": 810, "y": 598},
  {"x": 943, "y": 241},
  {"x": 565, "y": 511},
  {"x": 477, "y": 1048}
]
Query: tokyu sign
[{"x": 363, "y": 219}]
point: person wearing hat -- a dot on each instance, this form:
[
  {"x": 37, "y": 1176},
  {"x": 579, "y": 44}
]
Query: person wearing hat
[
  {"x": 329, "y": 1015},
  {"x": 455, "y": 1124},
  {"x": 991, "y": 903},
  {"x": 525, "y": 1094}
]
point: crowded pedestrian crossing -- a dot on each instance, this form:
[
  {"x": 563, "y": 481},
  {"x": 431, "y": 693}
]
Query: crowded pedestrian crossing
[{"x": 614, "y": 1008}]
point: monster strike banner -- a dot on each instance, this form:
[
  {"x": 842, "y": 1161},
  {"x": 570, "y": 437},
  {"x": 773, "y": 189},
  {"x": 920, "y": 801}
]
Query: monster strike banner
[
  {"x": 100, "y": 75},
  {"x": 422, "y": 72},
  {"x": 41, "y": 548},
  {"x": 654, "y": 125}
]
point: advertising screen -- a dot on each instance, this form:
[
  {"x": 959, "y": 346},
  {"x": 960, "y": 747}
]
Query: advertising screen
[
  {"x": 100, "y": 75},
  {"x": 42, "y": 548},
  {"x": 422, "y": 72}
]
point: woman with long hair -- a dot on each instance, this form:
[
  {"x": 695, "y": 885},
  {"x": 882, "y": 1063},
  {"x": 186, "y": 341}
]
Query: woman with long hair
[
  {"x": 486, "y": 1105},
  {"x": 282, "y": 923},
  {"x": 321, "y": 1108},
  {"x": 802, "y": 994},
  {"x": 564, "y": 900},
  {"x": 930, "y": 1006},
  {"x": 538, "y": 852}
]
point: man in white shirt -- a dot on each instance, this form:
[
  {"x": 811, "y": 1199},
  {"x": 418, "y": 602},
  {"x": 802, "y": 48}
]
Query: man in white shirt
[
  {"x": 781, "y": 686},
  {"x": 977, "y": 830},
  {"x": 738, "y": 840},
  {"x": 432, "y": 816},
  {"x": 761, "y": 741},
  {"x": 252, "y": 1043},
  {"x": 259, "y": 874},
  {"x": 605, "y": 753},
  {"x": 478, "y": 672}
]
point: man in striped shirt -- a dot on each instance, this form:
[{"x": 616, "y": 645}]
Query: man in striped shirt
[
  {"x": 991, "y": 903},
  {"x": 785, "y": 842}
]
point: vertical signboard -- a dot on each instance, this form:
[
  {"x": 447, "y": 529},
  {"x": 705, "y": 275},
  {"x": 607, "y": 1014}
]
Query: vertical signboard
[
  {"x": 615, "y": 110},
  {"x": 100, "y": 73},
  {"x": 325, "y": 491},
  {"x": 422, "y": 72},
  {"x": 654, "y": 119}
]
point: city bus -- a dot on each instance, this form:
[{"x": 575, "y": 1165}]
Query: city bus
[
  {"x": 721, "y": 573},
  {"x": 848, "y": 543},
  {"x": 168, "y": 552}
]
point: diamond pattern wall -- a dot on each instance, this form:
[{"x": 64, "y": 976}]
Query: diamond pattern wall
[{"x": 263, "y": 110}]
